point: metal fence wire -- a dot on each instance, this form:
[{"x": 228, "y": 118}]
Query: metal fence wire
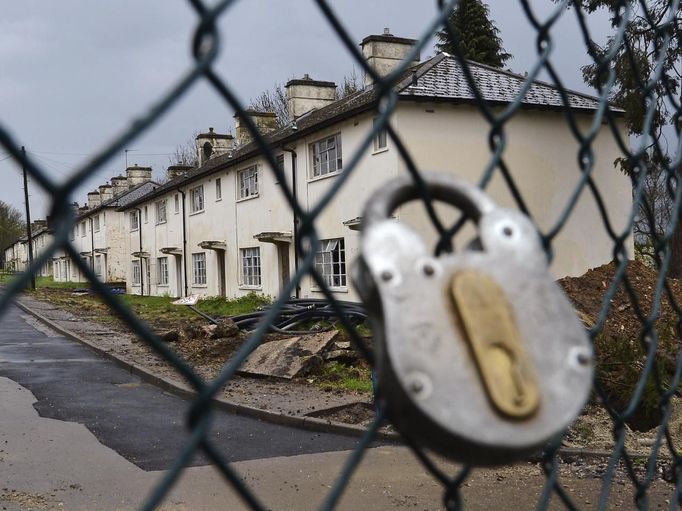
[{"x": 660, "y": 20}]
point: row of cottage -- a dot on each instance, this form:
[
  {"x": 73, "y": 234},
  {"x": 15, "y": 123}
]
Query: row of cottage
[{"x": 225, "y": 228}]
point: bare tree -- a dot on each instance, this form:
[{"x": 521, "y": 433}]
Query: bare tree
[
  {"x": 186, "y": 153},
  {"x": 11, "y": 225}
]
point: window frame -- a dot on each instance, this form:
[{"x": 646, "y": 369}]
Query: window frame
[
  {"x": 98, "y": 265},
  {"x": 250, "y": 268},
  {"x": 162, "y": 273},
  {"x": 200, "y": 196},
  {"x": 95, "y": 223},
  {"x": 160, "y": 220},
  {"x": 218, "y": 189},
  {"x": 177, "y": 203},
  {"x": 246, "y": 175},
  {"x": 197, "y": 270},
  {"x": 316, "y": 162},
  {"x": 83, "y": 229},
  {"x": 379, "y": 137},
  {"x": 134, "y": 220},
  {"x": 136, "y": 272},
  {"x": 325, "y": 260}
]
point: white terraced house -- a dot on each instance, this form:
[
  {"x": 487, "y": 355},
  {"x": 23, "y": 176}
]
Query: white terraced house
[
  {"x": 17, "y": 256},
  {"x": 224, "y": 228},
  {"x": 99, "y": 231}
]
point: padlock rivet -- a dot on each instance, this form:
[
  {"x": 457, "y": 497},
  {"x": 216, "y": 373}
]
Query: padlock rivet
[
  {"x": 507, "y": 231},
  {"x": 386, "y": 275},
  {"x": 583, "y": 359},
  {"x": 429, "y": 269},
  {"x": 416, "y": 386}
]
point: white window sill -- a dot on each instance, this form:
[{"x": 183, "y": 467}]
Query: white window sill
[
  {"x": 200, "y": 285},
  {"x": 135, "y": 285},
  {"x": 161, "y": 223},
  {"x": 219, "y": 200},
  {"x": 324, "y": 176},
  {"x": 251, "y": 288},
  {"x": 379, "y": 151},
  {"x": 134, "y": 230},
  {"x": 197, "y": 212},
  {"x": 162, "y": 285},
  {"x": 332, "y": 289},
  {"x": 254, "y": 196}
]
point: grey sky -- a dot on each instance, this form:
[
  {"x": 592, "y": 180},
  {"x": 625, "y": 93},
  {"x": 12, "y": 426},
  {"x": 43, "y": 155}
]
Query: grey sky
[{"x": 74, "y": 73}]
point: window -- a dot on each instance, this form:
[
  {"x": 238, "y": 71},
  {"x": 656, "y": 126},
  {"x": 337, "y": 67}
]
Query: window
[
  {"x": 73, "y": 232},
  {"x": 177, "y": 203},
  {"x": 98, "y": 265},
  {"x": 146, "y": 216},
  {"x": 161, "y": 212},
  {"x": 218, "y": 190},
  {"x": 326, "y": 156},
  {"x": 199, "y": 268},
  {"x": 136, "y": 273},
  {"x": 197, "y": 198},
  {"x": 380, "y": 139},
  {"x": 250, "y": 266},
  {"x": 330, "y": 262},
  {"x": 82, "y": 228},
  {"x": 96, "y": 222},
  {"x": 134, "y": 221},
  {"x": 162, "y": 269},
  {"x": 248, "y": 182}
]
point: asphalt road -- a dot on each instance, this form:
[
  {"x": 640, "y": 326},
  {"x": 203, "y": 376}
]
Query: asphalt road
[{"x": 139, "y": 421}]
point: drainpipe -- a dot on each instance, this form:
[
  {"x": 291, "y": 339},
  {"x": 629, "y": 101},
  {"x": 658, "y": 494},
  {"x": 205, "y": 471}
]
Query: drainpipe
[
  {"x": 184, "y": 241},
  {"x": 295, "y": 195},
  {"x": 92, "y": 245},
  {"x": 139, "y": 232}
]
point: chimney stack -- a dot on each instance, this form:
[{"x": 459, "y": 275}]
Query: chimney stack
[
  {"x": 265, "y": 122},
  {"x": 106, "y": 192},
  {"x": 138, "y": 175},
  {"x": 94, "y": 199},
  {"x": 178, "y": 170},
  {"x": 119, "y": 184},
  {"x": 385, "y": 52},
  {"x": 305, "y": 94},
  {"x": 212, "y": 144}
]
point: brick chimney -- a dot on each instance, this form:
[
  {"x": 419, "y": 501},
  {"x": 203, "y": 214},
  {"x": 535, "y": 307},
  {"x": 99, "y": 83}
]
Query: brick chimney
[
  {"x": 94, "y": 199},
  {"x": 106, "y": 192},
  {"x": 212, "y": 144},
  {"x": 385, "y": 52},
  {"x": 264, "y": 121},
  {"x": 174, "y": 171},
  {"x": 305, "y": 94},
  {"x": 119, "y": 184},
  {"x": 138, "y": 175}
]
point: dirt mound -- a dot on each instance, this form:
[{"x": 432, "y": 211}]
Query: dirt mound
[{"x": 622, "y": 343}]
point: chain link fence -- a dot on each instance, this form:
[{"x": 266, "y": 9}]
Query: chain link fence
[{"x": 654, "y": 152}]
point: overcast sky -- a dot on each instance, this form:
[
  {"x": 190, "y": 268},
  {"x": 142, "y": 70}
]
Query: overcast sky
[{"x": 74, "y": 73}]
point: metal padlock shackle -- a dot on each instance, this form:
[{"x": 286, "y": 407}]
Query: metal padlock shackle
[{"x": 457, "y": 192}]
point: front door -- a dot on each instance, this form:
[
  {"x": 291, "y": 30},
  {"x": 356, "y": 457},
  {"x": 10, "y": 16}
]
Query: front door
[
  {"x": 220, "y": 254},
  {"x": 178, "y": 276},
  {"x": 283, "y": 259}
]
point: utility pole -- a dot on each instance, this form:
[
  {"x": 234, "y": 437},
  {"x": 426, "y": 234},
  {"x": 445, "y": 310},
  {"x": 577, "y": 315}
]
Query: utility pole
[{"x": 28, "y": 216}]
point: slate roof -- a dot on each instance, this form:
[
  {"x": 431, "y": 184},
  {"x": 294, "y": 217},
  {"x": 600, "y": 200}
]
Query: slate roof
[
  {"x": 440, "y": 78},
  {"x": 123, "y": 199},
  {"x": 443, "y": 77}
]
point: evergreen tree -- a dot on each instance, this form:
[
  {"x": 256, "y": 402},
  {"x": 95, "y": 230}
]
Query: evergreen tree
[{"x": 477, "y": 34}]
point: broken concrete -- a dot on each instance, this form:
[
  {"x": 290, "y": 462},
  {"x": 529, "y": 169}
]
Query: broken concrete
[{"x": 289, "y": 357}]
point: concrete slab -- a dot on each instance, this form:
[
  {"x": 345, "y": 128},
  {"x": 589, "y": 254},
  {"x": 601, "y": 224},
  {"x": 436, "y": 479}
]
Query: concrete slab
[{"x": 288, "y": 357}]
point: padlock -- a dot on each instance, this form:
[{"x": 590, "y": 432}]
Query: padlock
[{"x": 479, "y": 355}]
